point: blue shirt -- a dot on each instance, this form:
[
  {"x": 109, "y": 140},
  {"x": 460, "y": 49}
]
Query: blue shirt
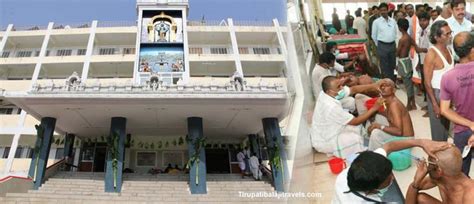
[
  {"x": 456, "y": 27},
  {"x": 384, "y": 30}
]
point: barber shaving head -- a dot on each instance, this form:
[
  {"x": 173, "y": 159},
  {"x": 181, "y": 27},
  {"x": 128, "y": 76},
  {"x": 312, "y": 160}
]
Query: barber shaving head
[
  {"x": 370, "y": 173},
  {"x": 333, "y": 87},
  {"x": 327, "y": 60}
]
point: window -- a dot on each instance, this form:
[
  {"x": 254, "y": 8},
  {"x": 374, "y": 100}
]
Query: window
[
  {"x": 146, "y": 158},
  {"x": 243, "y": 50},
  {"x": 18, "y": 152},
  {"x": 6, "y": 111},
  {"x": 128, "y": 51},
  {"x": 59, "y": 153},
  {"x": 63, "y": 53},
  {"x": 18, "y": 111},
  {"x": 195, "y": 50},
  {"x": 261, "y": 51},
  {"x": 23, "y": 54},
  {"x": 5, "y": 54},
  {"x": 6, "y": 151},
  {"x": 81, "y": 52},
  {"x": 219, "y": 50},
  {"x": 106, "y": 51},
  {"x": 47, "y": 53},
  {"x": 279, "y": 51},
  {"x": 37, "y": 53}
]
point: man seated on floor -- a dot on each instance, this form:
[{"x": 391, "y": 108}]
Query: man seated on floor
[
  {"x": 334, "y": 130},
  {"x": 369, "y": 178},
  {"x": 446, "y": 173},
  {"x": 399, "y": 120}
]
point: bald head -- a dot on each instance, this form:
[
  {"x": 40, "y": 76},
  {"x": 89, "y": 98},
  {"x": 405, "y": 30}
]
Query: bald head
[
  {"x": 450, "y": 161},
  {"x": 463, "y": 43}
]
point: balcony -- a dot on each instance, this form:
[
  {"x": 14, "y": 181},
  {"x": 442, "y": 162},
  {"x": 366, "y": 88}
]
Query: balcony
[
  {"x": 15, "y": 85},
  {"x": 196, "y": 85}
]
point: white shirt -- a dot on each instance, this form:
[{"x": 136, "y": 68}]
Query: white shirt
[
  {"x": 317, "y": 78},
  {"x": 329, "y": 120},
  {"x": 341, "y": 187},
  {"x": 456, "y": 27},
  {"x": 423, "y": 41},
  {"x": 361, "y": 26},
  {"x": 240, "y": 157}
]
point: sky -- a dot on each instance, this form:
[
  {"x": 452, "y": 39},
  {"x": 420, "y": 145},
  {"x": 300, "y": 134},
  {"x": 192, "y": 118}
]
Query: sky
[{"x": 40, "y": 12}]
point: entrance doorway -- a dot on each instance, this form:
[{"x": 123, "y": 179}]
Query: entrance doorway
[
  {"x": 217, "y": 161},
  {"x": 99, "y": 159}
]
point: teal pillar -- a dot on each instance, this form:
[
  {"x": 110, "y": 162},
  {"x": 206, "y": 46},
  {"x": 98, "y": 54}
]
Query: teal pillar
[
  {"x": 197, "y": 169},
  {"x": 41, "y": 153},
  {"x": 254, "y": 145},
  {"x": 68, "y": 147},
  {"x": 275, "y": 145},
  {"x": 115, "y": 148}
]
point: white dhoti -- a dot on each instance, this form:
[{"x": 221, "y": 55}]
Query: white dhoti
[
  {"x": 255, "y": 168},
  {"x": 242, "y": 166},
  {"x": 348, "y": 142}
]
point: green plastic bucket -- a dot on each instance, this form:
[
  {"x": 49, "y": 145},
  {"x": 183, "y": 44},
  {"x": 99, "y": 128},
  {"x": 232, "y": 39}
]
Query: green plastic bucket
[{"x": 400, "y": 159}]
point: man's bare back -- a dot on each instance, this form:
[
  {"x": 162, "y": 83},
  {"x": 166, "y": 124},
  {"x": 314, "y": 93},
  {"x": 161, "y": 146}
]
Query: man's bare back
[{"x": 404, "y": 45}]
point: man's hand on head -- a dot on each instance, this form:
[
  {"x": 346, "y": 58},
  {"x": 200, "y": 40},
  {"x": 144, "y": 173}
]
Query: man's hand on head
[
  {"x": 431, "y": 147},
  {"x": 420, "y": 174}
]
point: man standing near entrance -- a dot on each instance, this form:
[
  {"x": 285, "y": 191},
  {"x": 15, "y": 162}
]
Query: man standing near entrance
[
  {"x": 241, "y": 160},
  {"x": 384, "y": 34},
  {"x": 457, "y": 85}
]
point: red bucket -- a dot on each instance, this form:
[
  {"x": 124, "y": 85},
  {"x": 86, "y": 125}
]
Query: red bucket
[
  {"x": 371, "y": 102},
  {"x": 336, "y": 165}
]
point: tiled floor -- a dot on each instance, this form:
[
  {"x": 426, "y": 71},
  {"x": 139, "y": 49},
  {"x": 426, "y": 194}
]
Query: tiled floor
[{"x": 324, "y": 179}]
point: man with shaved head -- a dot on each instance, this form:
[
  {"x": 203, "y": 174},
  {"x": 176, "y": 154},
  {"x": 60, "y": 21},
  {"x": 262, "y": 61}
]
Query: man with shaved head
[
  {"x": 457, "y": 85},
  {"x": 445, "y": 173},
  {"x": 398, "y": 121}
]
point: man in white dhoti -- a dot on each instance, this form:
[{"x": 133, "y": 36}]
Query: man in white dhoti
[
  {"x": 333, "y": 130},
  {"x": 255, "y": 167},
  {"x": 241, "y": 160}
]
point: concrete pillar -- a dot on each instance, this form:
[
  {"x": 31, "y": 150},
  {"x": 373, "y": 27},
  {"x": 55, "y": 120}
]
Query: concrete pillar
[
  {"x": 197, "y": 169},
  {"x": 42, "y": 54},
  {"x": 40, "y": 156},
  {"x": 117, "y": 128},
  {"x": 14, "y": 145},
  {"x": 235, "y": 47},
  {"x": 89, "y": 52},
  {"x": 274, "y": 140},
  {"x": 254, "y": 145},
  {"x": 5, "y": 38}
]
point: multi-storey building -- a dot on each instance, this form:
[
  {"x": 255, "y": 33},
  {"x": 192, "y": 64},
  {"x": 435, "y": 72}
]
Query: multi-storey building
[{"x": 158, "y": 85}]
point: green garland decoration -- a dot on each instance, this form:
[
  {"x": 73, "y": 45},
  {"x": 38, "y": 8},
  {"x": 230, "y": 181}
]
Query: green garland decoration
[
  {"x": 194, "y": 159},
  {"x": 113, "y": 143},
  {"x": 275, "y": 156}
]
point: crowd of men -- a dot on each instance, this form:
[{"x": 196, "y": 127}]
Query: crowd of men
[{"x": 355, "y": 113}]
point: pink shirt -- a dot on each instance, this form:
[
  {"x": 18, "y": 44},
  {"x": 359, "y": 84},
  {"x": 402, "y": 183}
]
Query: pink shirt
[{"x": 457, "y": 85}]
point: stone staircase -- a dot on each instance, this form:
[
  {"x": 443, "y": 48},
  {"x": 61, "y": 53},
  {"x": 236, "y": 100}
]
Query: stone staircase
[{"x": 81, "y": 187}]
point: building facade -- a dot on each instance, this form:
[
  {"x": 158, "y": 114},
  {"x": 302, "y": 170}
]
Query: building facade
[{"x": 144, "y": 94}]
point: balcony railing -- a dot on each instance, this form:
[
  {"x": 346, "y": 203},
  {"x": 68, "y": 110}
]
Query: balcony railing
[
  {"x": 196, "y": 85},
  {"x": 58, "y": 26},
  {"x": 103, "y": 24},
  {"x": 254, "y": 23},
  {"x": 207, "y": 23},
  {"x": 29, "y": 27}
]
